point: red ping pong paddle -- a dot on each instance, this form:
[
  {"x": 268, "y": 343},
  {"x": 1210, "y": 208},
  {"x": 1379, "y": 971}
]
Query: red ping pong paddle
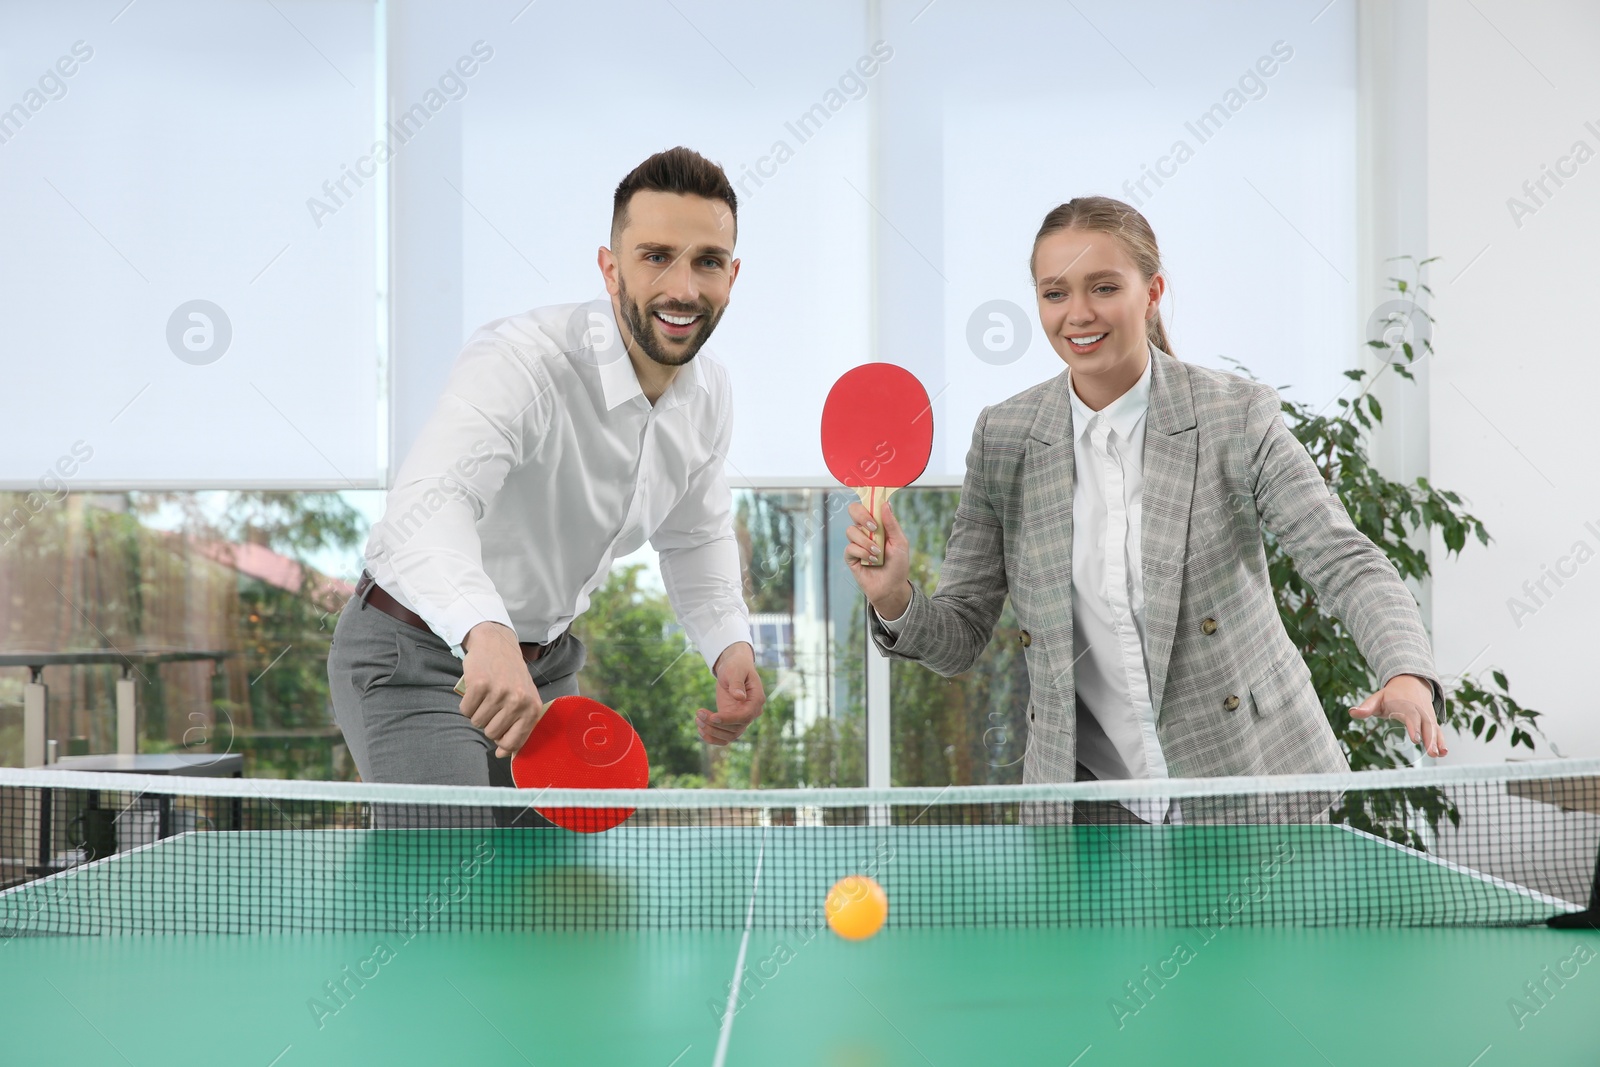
[
  {"x": 877, "y": 434},
  {"x": 580, "y": 743}
]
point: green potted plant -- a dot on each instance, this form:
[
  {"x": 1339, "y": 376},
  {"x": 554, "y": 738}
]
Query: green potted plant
[{"x": 1389, "y": 513}]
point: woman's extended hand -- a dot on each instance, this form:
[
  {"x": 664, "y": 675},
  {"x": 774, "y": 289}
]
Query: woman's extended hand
[
  {"x": 888, "y": 587},
  {"x": 1407, "y": 699}
]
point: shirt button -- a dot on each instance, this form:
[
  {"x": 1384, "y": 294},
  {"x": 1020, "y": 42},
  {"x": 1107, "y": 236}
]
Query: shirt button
[
  {"x": 1208, "y": 626},
  {"x": 1026, "y": 638},
  {"x": 1231, "y": 704}
]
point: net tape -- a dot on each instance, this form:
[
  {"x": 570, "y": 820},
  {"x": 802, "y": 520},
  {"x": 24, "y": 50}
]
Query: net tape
[{"x": 478, "y": 796}]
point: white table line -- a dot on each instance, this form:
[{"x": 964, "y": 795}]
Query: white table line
[{"x": 738, "y": 966}]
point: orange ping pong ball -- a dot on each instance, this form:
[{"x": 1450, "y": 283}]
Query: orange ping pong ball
[{"x": 856, "y": 907}]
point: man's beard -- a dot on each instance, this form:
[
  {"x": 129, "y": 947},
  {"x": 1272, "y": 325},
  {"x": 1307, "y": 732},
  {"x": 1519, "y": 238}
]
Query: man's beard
[{"x": 642, "y": 324}]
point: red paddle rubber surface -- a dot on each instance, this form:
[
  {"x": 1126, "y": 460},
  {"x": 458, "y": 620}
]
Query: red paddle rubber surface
[
  {"x": 582, "y": 744},
  {"x": 877, "y": 427}
]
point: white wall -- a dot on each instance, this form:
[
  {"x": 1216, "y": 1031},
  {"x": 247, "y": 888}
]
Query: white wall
[{"x": 1512, "y": 87}]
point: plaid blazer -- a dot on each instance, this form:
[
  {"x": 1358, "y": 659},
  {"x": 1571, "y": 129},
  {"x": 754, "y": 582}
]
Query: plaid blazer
[{"x": 1232, "y": 693}]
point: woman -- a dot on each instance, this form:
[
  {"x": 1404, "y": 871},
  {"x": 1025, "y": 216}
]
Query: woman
[{"x": 1120, "y": 506}]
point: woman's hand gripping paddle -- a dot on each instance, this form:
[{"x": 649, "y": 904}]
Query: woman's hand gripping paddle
[{"x": 877, "y": 435}]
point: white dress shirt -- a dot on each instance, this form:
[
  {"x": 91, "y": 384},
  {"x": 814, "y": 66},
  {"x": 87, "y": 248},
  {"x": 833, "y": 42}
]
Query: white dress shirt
[
  {"x": 542, "y": 463},
  {"x": 1117, "y": 739}
]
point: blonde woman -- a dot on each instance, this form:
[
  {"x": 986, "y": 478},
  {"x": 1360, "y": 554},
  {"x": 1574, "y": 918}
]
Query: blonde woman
[{"x": 1120, "y": 506}]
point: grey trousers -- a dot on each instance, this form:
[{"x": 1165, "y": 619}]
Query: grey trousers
[{"x": 393, "y": 692}]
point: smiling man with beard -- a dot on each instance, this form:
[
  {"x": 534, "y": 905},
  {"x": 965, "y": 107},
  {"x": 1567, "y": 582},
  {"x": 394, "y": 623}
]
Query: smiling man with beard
[{"x": 565, "y": 438}]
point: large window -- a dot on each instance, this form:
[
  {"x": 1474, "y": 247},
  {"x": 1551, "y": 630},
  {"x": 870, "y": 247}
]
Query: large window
[
  {"x": 280, "y": 224},
  {"x": 254, "y": 581},
  {"x": 249, "y": 583},
  {"x": 970, "y": 729}
]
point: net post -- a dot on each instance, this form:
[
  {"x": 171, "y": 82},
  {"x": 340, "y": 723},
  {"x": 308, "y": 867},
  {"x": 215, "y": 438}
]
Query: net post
[
  {"x": 46, "y": 832},
  {"x": 1587, "y": 919}
]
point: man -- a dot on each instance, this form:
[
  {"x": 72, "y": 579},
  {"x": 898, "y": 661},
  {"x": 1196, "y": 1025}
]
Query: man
[{"x": 566, "y": 437}]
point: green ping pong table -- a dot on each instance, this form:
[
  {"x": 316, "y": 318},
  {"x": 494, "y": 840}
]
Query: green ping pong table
[{"x": 1171, "y": 945}]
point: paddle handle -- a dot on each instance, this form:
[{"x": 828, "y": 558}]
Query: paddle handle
[{"x": 873, "y": 498}]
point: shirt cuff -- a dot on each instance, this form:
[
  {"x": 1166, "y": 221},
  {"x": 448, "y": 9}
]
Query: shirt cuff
[
  {"x": 453, "y": 626},
  {"x": 719, "y": 640},
  {"x": 892, "y": 625},
  {"x": 451, "y": 623}
]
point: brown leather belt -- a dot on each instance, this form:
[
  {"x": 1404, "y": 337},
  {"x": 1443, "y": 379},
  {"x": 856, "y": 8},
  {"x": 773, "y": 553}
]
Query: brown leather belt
[{"x": 369, "y": 591}]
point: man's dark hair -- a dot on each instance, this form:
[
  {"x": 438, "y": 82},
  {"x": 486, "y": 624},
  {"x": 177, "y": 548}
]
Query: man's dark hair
[{"x": 677, "y": 170}]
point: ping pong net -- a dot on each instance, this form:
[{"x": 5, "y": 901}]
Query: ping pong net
[{"x": 84, "y": 853}]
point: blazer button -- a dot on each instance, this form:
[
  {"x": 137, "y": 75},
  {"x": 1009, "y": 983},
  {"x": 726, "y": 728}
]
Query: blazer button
[
  {"x": 1208, "y": 626},
  {"x": 1231, "y": 704},
  {"x": 1026, "y": 638}
]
